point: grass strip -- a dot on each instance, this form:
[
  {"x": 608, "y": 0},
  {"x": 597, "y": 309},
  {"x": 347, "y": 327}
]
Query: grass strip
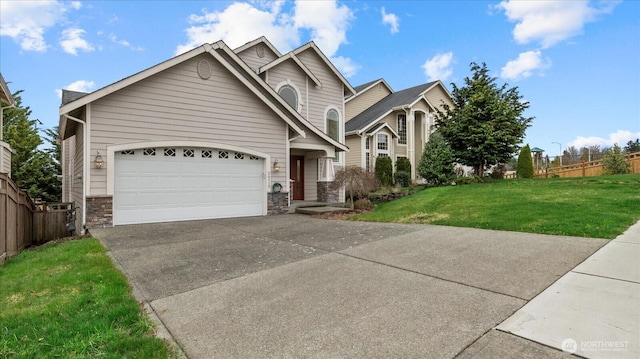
[
  {"x": 67, "y": 300},
  {"x": 598, "y": 207}
]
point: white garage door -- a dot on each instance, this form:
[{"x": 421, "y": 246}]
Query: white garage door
[{"x": 177, "y": 184}]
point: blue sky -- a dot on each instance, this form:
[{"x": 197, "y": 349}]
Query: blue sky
[{"x": 576, "y": 62}]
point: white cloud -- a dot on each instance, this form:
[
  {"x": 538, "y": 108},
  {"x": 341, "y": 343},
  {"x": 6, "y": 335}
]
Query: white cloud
[
  {"x": 438, "y": 67},
  {"x": 72, "y": 41},
  {"x": 621, "y": 137},
  {"x": 392, "y": 20},
  {"x": 524, "y": 66},
  {"x": 80, "y": 86},
  {"x": 238, "y": 24},
  {"x": 345, "y": 65},
  {"x": 326, "y": 22},
  {"x": 551, "y": 22},
  {"x": 76, "y": 5},
  {"x": 124, "y": 43},
  {"x": 27, "y": 21}
]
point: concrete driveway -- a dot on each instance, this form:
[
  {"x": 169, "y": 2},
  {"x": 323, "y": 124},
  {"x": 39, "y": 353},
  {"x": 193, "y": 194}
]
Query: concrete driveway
[{"x": 292, "y": 286}]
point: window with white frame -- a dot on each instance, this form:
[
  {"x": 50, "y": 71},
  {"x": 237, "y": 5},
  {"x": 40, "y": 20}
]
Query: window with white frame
[
  {"x": 382, "y": 144},
  {"x": 290, "y": 95},
  {"x": 367, "y": 154},
  {"x": 333, "y": 127},
  {"x": 402, "y": 129}
]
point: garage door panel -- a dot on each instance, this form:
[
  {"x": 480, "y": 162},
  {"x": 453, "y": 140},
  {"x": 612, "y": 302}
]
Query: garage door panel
[{"x": 172, "y": 188}]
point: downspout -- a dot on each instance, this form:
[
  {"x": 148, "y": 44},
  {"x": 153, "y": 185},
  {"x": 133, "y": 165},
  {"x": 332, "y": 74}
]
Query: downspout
[{"x": 85, "y": 169}]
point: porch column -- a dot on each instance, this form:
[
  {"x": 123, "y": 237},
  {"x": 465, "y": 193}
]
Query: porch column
[
  {"x": 411, "y": 143},
  {"x": 326, "y": 192},
  {"x": 328, "y": 173}
]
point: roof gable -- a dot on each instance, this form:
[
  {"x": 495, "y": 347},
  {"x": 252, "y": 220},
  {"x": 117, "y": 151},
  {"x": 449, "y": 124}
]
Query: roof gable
[
  {"x": 261, "y": 40},
  {"x": 228, "y": 59},
  {"x": 396, "y": 100},
  {"x": 311, "y": 46},
  {"x": 368, "y": 86},
  {"x": 291, "y": 56}
]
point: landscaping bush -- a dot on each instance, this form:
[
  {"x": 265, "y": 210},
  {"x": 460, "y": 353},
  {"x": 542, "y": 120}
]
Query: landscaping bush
[
  {"x": 614, "y": 162},
  {"x": 436, "y": 164},
  {"x": 384, "y": 171},
  {"x": 498, "y": 171},
  {"x": 402, "y": 178},
  {"x": 363, "y": 204},
  {"x": 525, "y": 163},
  {"x": 403, "y": 165}
]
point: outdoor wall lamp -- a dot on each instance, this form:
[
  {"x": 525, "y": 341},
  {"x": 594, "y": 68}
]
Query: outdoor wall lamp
[
  {"x": 99, "y": 161},
  {"x": 276, "y": 166}
]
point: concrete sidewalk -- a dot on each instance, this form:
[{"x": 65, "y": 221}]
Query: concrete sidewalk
[{"x": 594, "y": 310}]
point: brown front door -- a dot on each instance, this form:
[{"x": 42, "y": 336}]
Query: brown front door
[{"x": 297, "y": 175}]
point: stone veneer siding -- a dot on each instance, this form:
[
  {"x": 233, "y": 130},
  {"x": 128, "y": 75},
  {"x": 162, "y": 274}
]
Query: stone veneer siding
[
  {"x": 277, "y": 202},
  {"x": 99, "y": 212},
  {"x": 100, "y": 209},
  {"x": 327, "y": 194}
]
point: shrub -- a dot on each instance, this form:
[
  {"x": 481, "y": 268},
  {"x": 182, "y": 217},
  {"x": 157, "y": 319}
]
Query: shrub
[
  {"x": 498, "y": 171},
  {"x": 384, "y": 170},
  {"x": 356, "y": 181},
  {"x": 403, "y": 165},
  {"x": 402, "y": 178},
  {"x": 614, "y": 162},
  {"x": 525, "y": 163},
  {"x": 436, "y": 164},
  {"x": 363, "y": 204}
]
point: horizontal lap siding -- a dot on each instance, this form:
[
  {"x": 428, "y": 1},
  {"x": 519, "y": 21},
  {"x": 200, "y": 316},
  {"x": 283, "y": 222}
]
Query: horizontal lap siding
[
  {"x": 436, "y": 95},
  {"x": 331, "y": 93},
  {"x": 177, "y": 104},
  {"x": 289, "y": 70},
  {"x": 365, "y": 100},
  {"x": 251, "y": 58},
  {"x": 353, "y": 157}
]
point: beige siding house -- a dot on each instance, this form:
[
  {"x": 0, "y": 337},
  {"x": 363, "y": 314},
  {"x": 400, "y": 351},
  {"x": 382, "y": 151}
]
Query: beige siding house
[
  {"x": 383, "y": 122},
  {"x": 211, "y": 133},
  {"x": 6, "y": 101}
]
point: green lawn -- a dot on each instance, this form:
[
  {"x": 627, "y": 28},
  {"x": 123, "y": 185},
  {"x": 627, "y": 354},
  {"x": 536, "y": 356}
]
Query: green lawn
[
  {"x": 68, "y": 301},
  {"x": 600, "y": 207}
]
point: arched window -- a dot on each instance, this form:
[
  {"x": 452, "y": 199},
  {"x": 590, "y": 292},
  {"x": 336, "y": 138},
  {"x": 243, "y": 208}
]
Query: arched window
[
  {"x": 290, "y": 95},
  {"x": 333, "y": 124}
]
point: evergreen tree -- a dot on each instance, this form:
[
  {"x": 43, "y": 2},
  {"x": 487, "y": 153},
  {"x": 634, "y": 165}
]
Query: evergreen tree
[
  {"x": 384, "y": 171},
  {"x": 632, "y": 146},
  {"x": 614, "y": 162},
  {"x": 32, "y": 169},
  {"x": 525, "y": 164},
  {"x": 485, "y": 124},
  {"x": 437, "y": 162}
]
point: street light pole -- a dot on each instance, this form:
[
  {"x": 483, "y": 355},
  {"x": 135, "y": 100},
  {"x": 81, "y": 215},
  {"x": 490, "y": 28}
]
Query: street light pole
[{"x": 560, "y": 147}]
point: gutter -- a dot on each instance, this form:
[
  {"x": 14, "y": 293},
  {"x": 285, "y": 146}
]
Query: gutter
[{"x": 85, "y": 168}]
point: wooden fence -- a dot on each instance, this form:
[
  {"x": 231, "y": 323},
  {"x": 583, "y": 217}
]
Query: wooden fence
[
  {"x": 50, "y": 221},
  {"x": 23, "y": 223},
  {"x": 584, "y": 169},
  {"x": 16, "y": 218}
]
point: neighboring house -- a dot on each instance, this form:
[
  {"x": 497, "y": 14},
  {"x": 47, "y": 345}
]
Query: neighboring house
[
  {"x": 5, "y": 149},
  {"x": 211, "y": 133},
  {"x": 381, "y": 122}
]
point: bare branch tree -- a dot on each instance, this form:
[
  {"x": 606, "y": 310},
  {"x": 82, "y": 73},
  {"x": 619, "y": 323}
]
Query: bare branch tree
[{"x": 357, "y": 181}]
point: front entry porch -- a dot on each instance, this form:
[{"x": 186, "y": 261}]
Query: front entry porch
[{"x": 311, "y": 177}]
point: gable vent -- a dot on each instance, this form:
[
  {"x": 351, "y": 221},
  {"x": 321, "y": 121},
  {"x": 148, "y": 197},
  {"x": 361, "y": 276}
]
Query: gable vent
[{"x": 204, "y": 69}]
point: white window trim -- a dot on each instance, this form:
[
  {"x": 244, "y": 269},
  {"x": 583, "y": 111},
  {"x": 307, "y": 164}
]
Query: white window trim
[
  {"x": 406, "y": 131},
  {"x": 288, "y": 82},
  {"x": 340, "y": 127},
  {"x": 388, "y": 150}
]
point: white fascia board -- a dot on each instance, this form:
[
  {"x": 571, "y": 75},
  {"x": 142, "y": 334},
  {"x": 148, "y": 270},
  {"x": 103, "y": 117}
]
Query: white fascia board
[
  {"x": 294, "y": 58},
  {"x": 327, "y": 62},
  {"x": 261, "y": 39}
]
